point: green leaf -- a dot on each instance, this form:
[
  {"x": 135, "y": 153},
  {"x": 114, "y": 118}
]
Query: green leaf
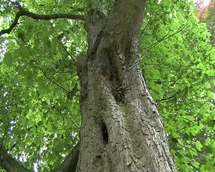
[
  {"x": 207, "y": 85},
  {"x": 193, "y": 152},
  {"x": 207, "y": 141},
  {"x": 195, "y": 164},
  {"x": 208, "y": 93},
  {"x": 33, "y": 130},
  {"x": 198, "y": 145},
  {"x": 21, "y": 70},
  {"x": 7, "y": 60},
  {"x": 209, "y": 149},
  {"x": 195, "y": 10}
]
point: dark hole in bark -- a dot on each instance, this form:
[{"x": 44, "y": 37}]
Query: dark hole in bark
[
  {"x": 104, "y": 133},
  {"x": 118, "y": 94}
]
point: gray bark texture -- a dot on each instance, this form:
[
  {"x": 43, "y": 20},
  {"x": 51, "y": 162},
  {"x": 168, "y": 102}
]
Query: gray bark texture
[{"x": 121, "y": 130}]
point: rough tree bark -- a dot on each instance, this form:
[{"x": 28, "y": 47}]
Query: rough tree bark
[{"x": 121, "y": 129}]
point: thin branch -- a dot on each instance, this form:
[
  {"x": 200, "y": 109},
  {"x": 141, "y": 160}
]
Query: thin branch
[
  {"x": 66, "y": 49},
  {"x": 24, "y": 12},
  {"x": 70, "y": 163},
  {"x": 53, "y": 82},
  {"x": 167, "y": 98},
  {"x": 162, "y": 39},
  {"x": 174, "y": 82},
  {"x": 44, "y": 73},
  {"x": 89, "y": 5}
]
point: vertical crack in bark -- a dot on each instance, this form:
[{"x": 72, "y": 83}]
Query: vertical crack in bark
[
  {"x": 104, "y": 133},
  {"x": 113, "y": 67}
]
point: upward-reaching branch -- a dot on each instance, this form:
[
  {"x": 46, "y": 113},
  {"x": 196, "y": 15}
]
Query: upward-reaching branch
[
  {"x": 9, "y": 163},
  {"x": 24, "y": 12}
]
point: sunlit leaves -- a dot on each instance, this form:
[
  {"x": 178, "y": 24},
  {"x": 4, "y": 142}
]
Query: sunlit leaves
[
  {"x": 178, "y": 63},
  {"x": 198, "y": 145},
  {"x": 195, "y": 164},
  {"x": 37, "y": 72}
]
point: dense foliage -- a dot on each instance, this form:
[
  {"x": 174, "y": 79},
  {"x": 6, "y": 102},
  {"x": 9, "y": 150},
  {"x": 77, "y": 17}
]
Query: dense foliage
[
  {"x": 179, "y": 68},
  {"x": 39, "y": 88},
  {"x": 206, "y": 14}
]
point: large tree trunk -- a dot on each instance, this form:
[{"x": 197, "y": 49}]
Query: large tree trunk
[{"x": 121, "y": 129}]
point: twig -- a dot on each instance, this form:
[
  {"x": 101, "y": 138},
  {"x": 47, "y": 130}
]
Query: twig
[
  {"x": 59, "y": 86},
  {"x": 66, "y": 49},
  {"x": 167, "y": 98},
  {"x": 162, "y": 39}
]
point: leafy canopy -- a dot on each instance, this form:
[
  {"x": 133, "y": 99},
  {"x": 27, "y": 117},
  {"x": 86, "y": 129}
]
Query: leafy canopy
[{"x": 39, "y": 110}]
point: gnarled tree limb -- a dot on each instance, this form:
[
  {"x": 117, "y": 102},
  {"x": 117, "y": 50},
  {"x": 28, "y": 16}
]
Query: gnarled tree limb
[
  {"x": 24, "y": 12},
  {"x": 12, "y": 165},
  {"x": 9, "y": 163}
]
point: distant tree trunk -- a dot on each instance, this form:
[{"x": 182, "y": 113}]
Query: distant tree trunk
[{"x": 121, "y": 129}]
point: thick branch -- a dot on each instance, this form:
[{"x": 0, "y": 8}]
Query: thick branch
[
  {"x": 70, "y": 163},
  {"x": 10, "y": 164},
  {"x": 23, "y": 12}
]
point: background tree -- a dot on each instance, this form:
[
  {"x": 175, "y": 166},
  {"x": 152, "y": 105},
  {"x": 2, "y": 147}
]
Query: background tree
[
  {"x": 206, "y": 15},
  {"x": 39, "y": 92}
]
